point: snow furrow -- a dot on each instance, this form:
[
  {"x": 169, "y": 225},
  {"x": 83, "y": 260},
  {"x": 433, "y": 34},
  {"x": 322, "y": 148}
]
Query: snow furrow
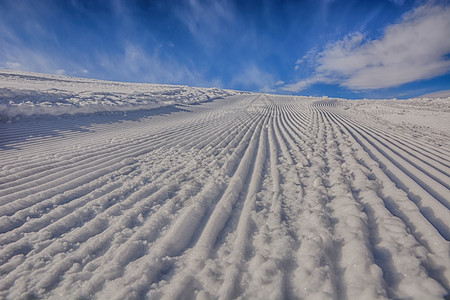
[
  {"x": 434, "y": 210},
  {"x": 362, "y": 276},
  {"x": 437, "y": 163},
  {"x": 399, "y": 205},
  {"x": 388, "y": 232},
  {"x": 427, "y": 172},
  {"x": 182, "y": 231},
  {"x": 222, "y": 210},
  {"x": 318, "y": 253},
  {"x": 427, "y": 149}
]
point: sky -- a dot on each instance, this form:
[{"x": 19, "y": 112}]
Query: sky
[{"x": 336, "y": 48}]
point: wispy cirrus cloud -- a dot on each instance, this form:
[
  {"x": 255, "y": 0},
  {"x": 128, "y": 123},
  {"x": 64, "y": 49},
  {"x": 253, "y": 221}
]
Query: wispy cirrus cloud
[
  {"x": 206, "y": 20},
  {"x": 17, "y": 57},
  {"x": 254, "y": 78},
  {"x": 414, "y": 49},
  {"x": 153, "y": 66}
]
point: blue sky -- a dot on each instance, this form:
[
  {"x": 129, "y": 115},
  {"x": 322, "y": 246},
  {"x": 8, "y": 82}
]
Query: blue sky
[{"x": 339, "y": 48}]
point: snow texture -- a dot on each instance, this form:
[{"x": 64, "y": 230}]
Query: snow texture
[{"x": 133, "y": 191}]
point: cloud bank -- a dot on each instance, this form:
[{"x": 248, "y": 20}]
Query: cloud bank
[{"x": 414, "y": 49}]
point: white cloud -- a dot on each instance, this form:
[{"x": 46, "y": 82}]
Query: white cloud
[
  {"x": 151, "y": 66},
  {"x": 253, "y": 77},
  {"x": 13, "y": 65},
  {"x": 303, "y": 84},
  {"x": 298, "y": 86},
  {"x": 438, "y": 94},
  {"x": 154, "y": 66},
  {"x": 18, "y": 57},
  {"x": 412, "y": 50},
  {"x": 308, "y": 58}
]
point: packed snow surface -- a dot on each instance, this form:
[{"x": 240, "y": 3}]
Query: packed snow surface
[{"x": 104, "y": 196}]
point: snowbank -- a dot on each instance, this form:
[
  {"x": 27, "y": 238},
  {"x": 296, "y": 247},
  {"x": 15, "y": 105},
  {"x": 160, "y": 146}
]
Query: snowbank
[{"x": 28, "y": 94}]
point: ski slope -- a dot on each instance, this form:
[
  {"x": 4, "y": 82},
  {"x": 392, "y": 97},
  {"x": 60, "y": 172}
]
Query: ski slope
[{"x": 242, "y": 196}]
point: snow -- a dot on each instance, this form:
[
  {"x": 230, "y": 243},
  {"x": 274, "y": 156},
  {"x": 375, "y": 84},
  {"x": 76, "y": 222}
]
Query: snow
[
  {"x": 134, "y": 191},
  {"x": 31, "y": 94}
]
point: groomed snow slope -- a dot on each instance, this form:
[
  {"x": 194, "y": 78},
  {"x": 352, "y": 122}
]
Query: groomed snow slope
[{"x": 251, "y": 196}]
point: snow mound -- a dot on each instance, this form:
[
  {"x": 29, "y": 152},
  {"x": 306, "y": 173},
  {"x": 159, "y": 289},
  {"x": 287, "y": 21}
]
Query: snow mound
[{"x": 28, "y": 94}]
